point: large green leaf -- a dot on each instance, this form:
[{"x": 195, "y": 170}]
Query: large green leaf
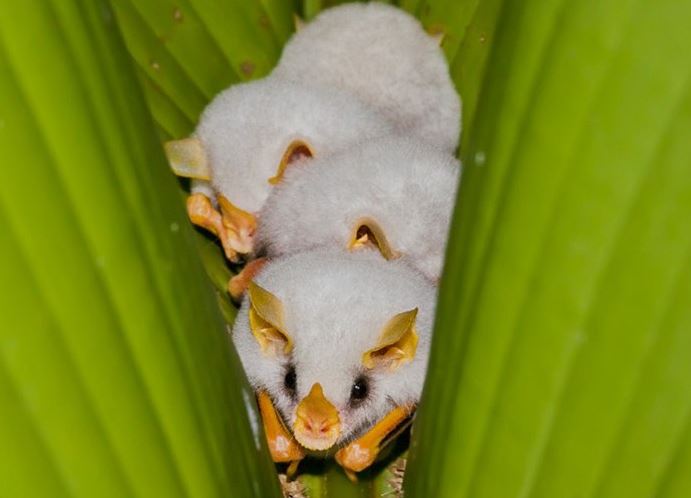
[
  {"x": 187, "y": 51},
  {"x": 562, "y": 355},
  {"x": 116, "y": 376}
]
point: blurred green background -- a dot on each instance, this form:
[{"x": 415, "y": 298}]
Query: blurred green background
[{"x": 561, "y": 364}]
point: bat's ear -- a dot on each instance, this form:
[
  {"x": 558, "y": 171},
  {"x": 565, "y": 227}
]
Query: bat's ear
[
  {"x": 298, "y": 22},
  {"x": 187, "y": 158},
  {"x": 438, "y": 37},
  {"x": 397, "y": 343},
  {"x": 297, "y": 149},
  {"x": 367, "y": 232},
  {"x": 266, "y": 322}
]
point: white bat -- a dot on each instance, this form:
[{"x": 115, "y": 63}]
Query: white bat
[
  {"x": 336, "y": 344},
  {"x": 393, "y": 194},
  {"x": 383, "y": 55}
]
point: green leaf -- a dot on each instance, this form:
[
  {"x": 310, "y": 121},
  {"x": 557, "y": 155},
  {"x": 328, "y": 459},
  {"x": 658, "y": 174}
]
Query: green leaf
[
  {"x": 560, "y": 364},
  {"x": 560, "y": 361},
  {"x": 187, "y": 51},
  {"x": 116, "y": 376}
]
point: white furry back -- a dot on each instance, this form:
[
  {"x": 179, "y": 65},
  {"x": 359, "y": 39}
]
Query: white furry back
[
  {"x": 409, "y": 188},
  {"x": 246, "y": 129},
  {"x": 383, "y": 55}
]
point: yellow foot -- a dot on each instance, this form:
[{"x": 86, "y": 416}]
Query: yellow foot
[
  {"x": 203, "y": 214},
  {"x": 282, "y": 445},
  {"x": 233, "y": 226},
  {"x": 238, "y": 283},
  {"x": 362, "y": 452},
  {"x": 239, "y": 225}
]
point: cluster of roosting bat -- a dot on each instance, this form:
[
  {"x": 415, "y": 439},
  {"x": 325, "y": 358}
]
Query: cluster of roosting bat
[{"x": 334, "y": 178}]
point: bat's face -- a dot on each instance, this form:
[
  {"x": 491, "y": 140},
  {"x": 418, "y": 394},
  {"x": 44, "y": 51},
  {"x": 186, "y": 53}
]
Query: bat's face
[{"x": 334, "y": 351}]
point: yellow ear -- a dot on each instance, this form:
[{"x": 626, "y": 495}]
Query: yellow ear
[
  {"x": 367, "y": 232},
  {"x": 187, "y": 158},
  {"x": 397, "y": 343},
  {"x": 437, "y": 34},
  {"x": 266, "y": 321},
  {"x": 298, "y": 22},
  {"x": 439, "y": 38},
  {"x": 298, "y": 149}
]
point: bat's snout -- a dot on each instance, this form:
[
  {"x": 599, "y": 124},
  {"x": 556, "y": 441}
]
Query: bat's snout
[{"x": 317, "y": 424}]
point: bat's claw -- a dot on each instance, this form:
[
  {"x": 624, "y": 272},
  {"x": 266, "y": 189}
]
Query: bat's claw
[
  {"x": 362, "y": 452},
  {"x": 203, "y": 214},
  {"x": 237, "y": 285},
  {"x": 352, "y": 476},
  {"x": 282, "y": 445},
  {"x": 233, "y": 226},
  {"x": 239, "y": 225},
  {"x": 356, "y": 457},
  {"x": 292, "y": 469}
]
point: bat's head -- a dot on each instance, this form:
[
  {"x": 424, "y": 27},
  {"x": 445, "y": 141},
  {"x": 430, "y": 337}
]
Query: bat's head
[
  {"x": 337, "y": 340},
  {"x": 252, "y": 132},
  {"x": 393, "y": 195}
]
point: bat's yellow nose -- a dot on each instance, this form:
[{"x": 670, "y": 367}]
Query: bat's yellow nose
[{"x": 317, "y": 425}]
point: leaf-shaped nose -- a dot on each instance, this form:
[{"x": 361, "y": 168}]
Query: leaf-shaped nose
[{"x": 317, "y": 424}]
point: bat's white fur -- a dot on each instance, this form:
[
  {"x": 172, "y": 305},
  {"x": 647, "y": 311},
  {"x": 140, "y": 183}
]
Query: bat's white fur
[
  {"x": 408, "y": 187},
  {"x": 384, "y": 56},
  {"x": 335, "y": 305},
  {"x": 246, "y": 129},
  {"x": 203, "y": 187}
]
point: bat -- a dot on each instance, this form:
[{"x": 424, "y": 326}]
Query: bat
[
  {"x": 336, "y": 346},
  {"x": 246, "y": 139},
  {"x": 383, "y": 55},
  {"x": 393, "y": 194}
]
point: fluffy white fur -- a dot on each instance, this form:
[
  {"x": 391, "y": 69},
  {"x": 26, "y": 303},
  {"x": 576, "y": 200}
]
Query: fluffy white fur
[
  {"x": 246, "y": 129},
  {"x": 203, "y": 187},
  {"x": 384, "y": 56},
  {"x": 336, "y": 305},
  {"x": 409, "y": 188}
]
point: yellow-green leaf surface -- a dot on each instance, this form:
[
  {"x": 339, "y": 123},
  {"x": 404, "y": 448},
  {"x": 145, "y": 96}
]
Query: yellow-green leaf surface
[
  {"x": 116, "y": 376},
  {"x": 188, "y": 51},
  {"x": 561, "y": 359},
  {"x": 562, "y": 355}
]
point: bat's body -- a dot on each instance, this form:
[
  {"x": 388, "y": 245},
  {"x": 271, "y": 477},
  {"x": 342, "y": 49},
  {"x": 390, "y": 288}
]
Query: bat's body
[
  {"x": 356, "y": 72},
  {"x": 337, "y": 341},
  {"x": 247, "y": 129},
  {"x": 381, "y": 54},
  {"x": 250, "y": 133},
  {"x": 401, "y": 190}
]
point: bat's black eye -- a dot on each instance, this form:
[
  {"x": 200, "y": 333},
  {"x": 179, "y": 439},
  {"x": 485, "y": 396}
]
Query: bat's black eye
[
  {"x": 359, "y": 390},
  {"x": 290, "y": 379}
]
